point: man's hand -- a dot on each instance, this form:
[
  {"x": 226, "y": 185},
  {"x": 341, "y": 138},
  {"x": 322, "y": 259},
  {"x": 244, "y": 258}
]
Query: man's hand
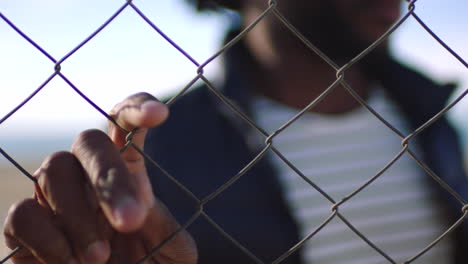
[{"x": 94, "y": 205}]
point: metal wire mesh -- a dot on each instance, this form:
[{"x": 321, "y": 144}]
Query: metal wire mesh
[{"x": 272, "y": 10}]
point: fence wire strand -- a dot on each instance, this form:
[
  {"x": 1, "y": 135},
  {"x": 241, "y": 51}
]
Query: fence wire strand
[{"x": 270, "y": 11}]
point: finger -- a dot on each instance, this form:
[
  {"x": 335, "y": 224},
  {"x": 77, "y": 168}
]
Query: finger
[
  {"x": 140, "y": 111},
  {"x": 127, "y": 248},
  {"x": 30, "y": 225},
  {"x": 159, "y": 230},
  {"x": 123, "y": 197},
  {"x": 61, "y": 181},
  {"x": 19, "y": 253}
]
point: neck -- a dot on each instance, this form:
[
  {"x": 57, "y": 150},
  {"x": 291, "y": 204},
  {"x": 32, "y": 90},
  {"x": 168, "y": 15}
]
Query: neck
[{"x": 297, "y": 83}]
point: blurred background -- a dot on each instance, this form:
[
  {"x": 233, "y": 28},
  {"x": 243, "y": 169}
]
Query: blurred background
[{"x": 128, "y": 56}]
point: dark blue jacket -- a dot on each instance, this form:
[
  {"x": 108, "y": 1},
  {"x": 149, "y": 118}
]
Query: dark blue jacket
[{"x": 203, "y": 145}]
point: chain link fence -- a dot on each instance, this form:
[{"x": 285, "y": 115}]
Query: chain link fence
[{"x": 272, "y": 10}]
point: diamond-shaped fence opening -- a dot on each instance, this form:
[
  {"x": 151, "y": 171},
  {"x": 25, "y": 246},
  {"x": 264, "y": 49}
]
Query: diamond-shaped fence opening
[{"x": 337, "y": 209}]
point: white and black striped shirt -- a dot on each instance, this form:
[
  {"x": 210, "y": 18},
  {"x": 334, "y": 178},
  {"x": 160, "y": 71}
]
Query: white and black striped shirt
[{"x": 398, "y": 212}]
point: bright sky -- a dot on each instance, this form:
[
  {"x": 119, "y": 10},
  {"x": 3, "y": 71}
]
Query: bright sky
[{"x": 129, "y": 56}]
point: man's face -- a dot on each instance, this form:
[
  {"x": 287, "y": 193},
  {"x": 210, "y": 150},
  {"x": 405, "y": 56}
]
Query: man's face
[{"x": 341, "y": 28}]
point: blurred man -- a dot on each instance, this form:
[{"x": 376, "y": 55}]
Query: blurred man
[{"x": 95, "y": 205}]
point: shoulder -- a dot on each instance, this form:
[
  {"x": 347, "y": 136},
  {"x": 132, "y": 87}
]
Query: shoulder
[{"x": 188, "y": 109}]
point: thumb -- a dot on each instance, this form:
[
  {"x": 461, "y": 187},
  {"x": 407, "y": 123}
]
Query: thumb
[
  {"x": 140, "y": 111},
  {"x": 162, "y": 232}
]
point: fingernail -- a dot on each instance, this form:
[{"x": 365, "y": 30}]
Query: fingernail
[
  {"x": 150, "y": 104},
  {"x": 155, "y": 107},
  {"x": 97, "y": 252},
  {"x": 125, "y": 212}
]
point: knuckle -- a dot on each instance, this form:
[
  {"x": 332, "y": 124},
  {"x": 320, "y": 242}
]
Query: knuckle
[
  {"x": 57, "y": 250},
  {"x": 51, "y": 251},
  {"x": 132, "y": 100},
  {"x": 141, "y": 96},
  {"x": 38, "y": 238},
  {"x": 86, "y": 137},
  {"x": 52, "y": 169},
  {"x": 18, "y": 216},
  {"x": 91, "y": 134},
  {"x": 58, "y": 158}
]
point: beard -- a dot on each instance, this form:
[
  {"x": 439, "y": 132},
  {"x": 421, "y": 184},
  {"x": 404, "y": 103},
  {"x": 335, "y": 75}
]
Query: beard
[{"x": 327, "y": 29}]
